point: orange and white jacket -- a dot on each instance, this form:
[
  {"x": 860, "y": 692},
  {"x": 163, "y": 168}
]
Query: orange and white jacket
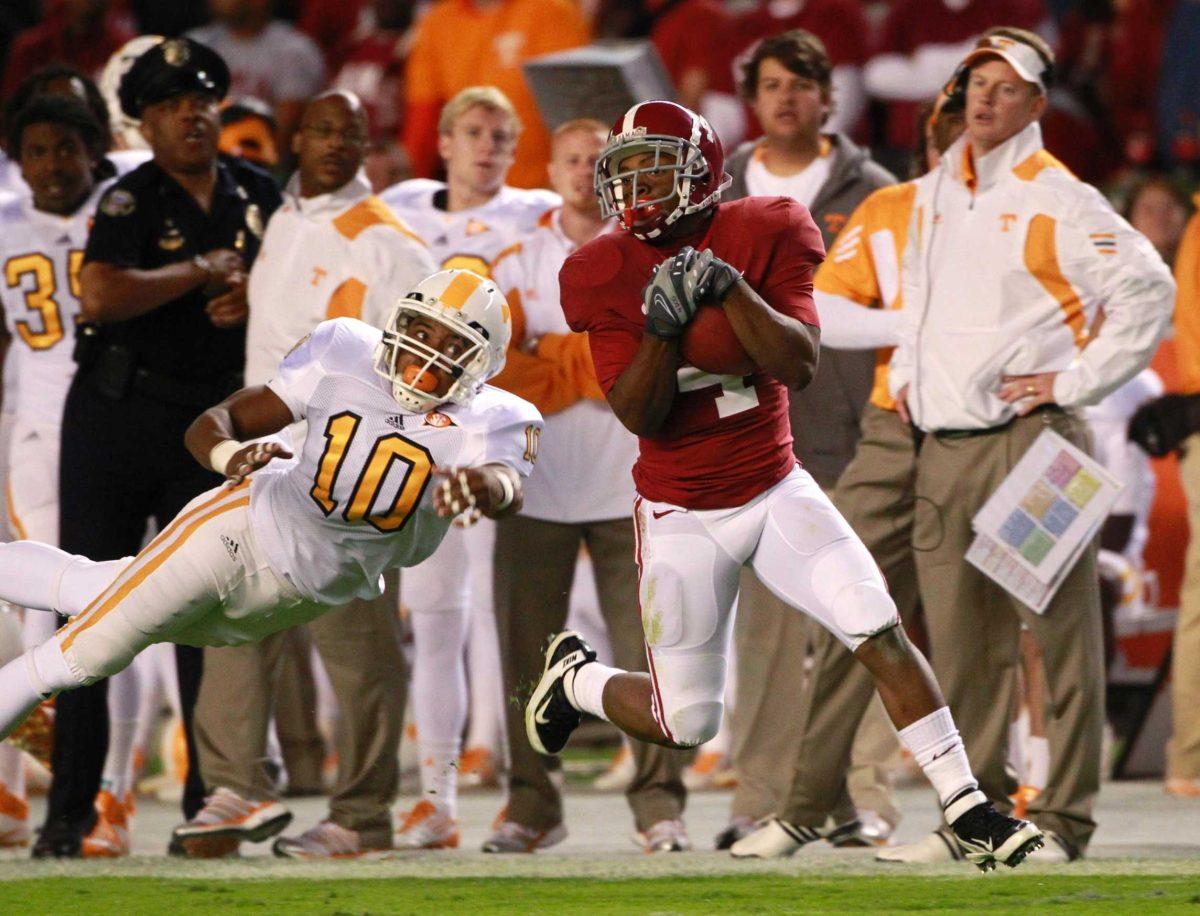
[
  {"x": 584, "y": 471},
  {"x": 1009, "y": 258},
  {"x": 338, "y": 255}
]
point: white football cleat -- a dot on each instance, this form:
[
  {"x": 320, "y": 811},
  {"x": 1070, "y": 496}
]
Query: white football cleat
[
  {"x": 326, "y": 840},
  {"x": 477, "y": 769},
  {"x": 775, "y": 838},
  {"x": 710, "y": 770},
  {"x": 931, "y": 849},
  {"x": 14, "y": 820},
  {"x": 427, "y": 826},
  {"x": 619, "y": 774},
  {"x": 510, "y": 837},
  {"x": 230, "y": 819},
  {"x": 109, "y": 838},
  {"x": 664, "y": 836}
]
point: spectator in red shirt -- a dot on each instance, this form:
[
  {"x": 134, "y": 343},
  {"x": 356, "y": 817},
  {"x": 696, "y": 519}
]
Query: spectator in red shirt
[
  {"x": 921, "y": 44},
  {"x": 335, "y": 24},
  {"x": 372, "y": 64},
  {"x": 82, "y": 33}
]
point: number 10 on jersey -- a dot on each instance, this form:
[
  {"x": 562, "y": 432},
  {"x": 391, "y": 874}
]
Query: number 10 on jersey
[{"x": 388, "y": 451}]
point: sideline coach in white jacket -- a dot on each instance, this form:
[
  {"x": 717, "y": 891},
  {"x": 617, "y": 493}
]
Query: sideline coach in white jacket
[
  {"x": 1009, "y": 260},
  {"x": 332, "y": 250}
]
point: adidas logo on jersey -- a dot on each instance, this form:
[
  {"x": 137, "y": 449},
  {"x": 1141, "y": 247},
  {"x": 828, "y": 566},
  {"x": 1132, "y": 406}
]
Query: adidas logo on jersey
[
  {"x": 396, "y": 421},
  {"x": 231, "y": 546}
]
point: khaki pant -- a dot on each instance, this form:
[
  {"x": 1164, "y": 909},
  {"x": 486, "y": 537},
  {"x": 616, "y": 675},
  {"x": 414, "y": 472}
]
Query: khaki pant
[
  {"x": 974, "y": 627},
  {"x": 1183, "y": 751},
  {"x": 801, "y": 695},
  {"x": 360, "y": 648},
  {"x": 534, "y": 569}
]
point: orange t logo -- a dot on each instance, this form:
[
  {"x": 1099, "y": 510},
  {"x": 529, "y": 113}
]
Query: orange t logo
[
  {"x": 1006, "y": 221},
  {"x": 318, "y": 275}
]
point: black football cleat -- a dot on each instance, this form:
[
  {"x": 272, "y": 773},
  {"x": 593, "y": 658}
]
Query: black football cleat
[
  {"x": 549, "y": 716},
  {"x": 986, "y": 836}
]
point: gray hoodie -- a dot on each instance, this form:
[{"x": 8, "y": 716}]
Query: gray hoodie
[{"x": 826, "y": 414}]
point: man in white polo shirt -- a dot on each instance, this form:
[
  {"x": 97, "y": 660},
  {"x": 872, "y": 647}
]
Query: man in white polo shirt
[{"x": 333, "y": 250}]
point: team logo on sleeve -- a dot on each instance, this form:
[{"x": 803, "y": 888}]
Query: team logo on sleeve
[
  {"x": 118, "y": 202},
  {"x": 437, "y": 420}
]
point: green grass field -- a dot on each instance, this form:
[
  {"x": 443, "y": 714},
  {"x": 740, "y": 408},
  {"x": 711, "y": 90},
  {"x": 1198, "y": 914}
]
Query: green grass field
[{"x": 737, "y": 894}]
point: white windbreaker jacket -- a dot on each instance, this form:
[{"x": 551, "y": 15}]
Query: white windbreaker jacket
[{"x": 1008, "y": 261}]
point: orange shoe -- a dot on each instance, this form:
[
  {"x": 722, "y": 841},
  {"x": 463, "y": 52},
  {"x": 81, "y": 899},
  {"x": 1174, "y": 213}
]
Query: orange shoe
[
  {"x": 1022, "y": 799},
  {"x": 477, "y": 768},
  {"x": 705, "y": 771},
  {"x": 109, "y": 839},
  {"x": 1184, "y": 788},
  {"x": 35, "y": 736},
  {"x": 427, "y": 826},
  {"x": 14, "y": 820}
]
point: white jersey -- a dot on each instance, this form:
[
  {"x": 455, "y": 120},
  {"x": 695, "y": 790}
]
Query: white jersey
[
  {"x": 40, "y": 257},
  {"x": 584, "y": 470},
  {"x": 469, "y": 239},
  {"x": 1109, "y": 421},
  {"x": 359, "y": 500}
]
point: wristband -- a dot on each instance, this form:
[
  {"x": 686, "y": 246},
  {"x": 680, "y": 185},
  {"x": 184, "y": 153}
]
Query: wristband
[
  {"x": 510, "y": 491},
  {"x": 221, "y": 454}
]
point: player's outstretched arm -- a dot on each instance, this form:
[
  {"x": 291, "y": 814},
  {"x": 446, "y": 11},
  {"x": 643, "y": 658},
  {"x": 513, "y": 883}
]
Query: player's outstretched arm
[
  {"x": 215, "y": 438},
  {"x": 785, "y": 347},
  {"x": 493, "y": 490}
]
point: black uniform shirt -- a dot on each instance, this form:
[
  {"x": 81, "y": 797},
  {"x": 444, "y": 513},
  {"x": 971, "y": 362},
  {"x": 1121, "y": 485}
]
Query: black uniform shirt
[{"x": 147, "y": 220}]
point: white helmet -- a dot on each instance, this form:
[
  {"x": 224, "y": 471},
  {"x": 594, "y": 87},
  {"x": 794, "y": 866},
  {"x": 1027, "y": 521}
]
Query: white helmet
[
  {"x": 124, "y": 128},
  {"x": 469, "y": 305}
]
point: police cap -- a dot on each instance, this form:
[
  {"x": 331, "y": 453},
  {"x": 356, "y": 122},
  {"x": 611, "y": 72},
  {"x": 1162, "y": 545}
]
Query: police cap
[{"x": 171, "y": 68}]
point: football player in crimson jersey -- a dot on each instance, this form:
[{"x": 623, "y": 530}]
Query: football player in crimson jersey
[{"x": 718, "y": 486}]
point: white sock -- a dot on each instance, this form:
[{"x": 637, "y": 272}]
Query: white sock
[
  {"x": 439, "y": 774},
  {"x": 124, "y": 691},
  {"x": 27, "y": 680},
  {"x": 585, "y": 687},
  {"x": 1018, "y": 741},
  {"x": 486, "y": 682},
  {"x": 1037, "y": 772},
  {"x": 12, "y": 770},
  {"x": 439, "y": 697},
  {"x": 938, "y": 749}
]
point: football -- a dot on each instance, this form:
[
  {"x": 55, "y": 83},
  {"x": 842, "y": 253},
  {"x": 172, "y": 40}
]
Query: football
[{"x": 710, "y": 344}]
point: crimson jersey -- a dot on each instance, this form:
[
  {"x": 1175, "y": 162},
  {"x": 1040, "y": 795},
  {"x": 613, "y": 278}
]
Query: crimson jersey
[{"x": 726, "y": 438}]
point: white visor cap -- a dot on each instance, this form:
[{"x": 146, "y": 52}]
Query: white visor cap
[{"x": 1021, "y": 56}]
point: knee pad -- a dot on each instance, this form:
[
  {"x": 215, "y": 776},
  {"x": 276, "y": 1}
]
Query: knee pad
[
  {"x": 692, "y": 690},
  {"x": 697, "y": 723},
  {"x": 51, "y": 672},
  {"x": 863, "y": 609}
]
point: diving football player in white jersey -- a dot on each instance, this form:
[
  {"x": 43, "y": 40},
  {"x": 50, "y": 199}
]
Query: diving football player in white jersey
[{"x": 403, "y": 435}]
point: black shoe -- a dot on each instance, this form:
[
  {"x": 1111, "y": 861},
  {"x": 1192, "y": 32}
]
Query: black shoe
[
  {"x": 61, "y": 839},
  {"x": 549, "y": 716},
  {"x": 737, "y": 828},
  {"x": 986, "y": 836},
  {"x": 848, "y": 836}
]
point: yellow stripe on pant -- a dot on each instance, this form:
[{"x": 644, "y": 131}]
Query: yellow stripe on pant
[{"x": 150, "y": 559}]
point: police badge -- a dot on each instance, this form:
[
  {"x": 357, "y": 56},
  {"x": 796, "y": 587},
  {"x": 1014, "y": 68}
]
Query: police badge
[{"x": 254, "y": 220}]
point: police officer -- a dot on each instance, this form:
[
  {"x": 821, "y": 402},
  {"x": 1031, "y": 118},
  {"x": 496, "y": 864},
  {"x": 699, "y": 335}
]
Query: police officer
[{"x": 164, "y": 285}]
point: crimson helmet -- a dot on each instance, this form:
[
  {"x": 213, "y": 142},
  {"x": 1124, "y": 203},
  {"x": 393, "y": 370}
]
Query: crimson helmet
[{"x": 682, "y": 142}]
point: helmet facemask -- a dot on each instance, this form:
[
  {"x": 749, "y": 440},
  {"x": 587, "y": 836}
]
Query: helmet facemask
[
  {"x": 618, "y": 189},
  {"x": 470, "y": 369}
]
